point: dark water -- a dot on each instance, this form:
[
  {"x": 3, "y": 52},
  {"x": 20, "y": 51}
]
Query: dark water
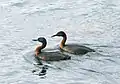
[{"x": 94, "y": 23}]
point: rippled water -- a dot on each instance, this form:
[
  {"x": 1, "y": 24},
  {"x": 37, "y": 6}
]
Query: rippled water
[{"x": 94, "y": 23}]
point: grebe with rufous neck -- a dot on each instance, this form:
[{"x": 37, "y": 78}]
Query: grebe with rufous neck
[
  {"x": 72, "y": 48},
  {"x": 48, "y": 56}
]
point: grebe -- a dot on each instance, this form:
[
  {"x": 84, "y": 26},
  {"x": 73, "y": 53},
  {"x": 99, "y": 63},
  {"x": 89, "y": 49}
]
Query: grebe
[
  {"x": 72, "y": 48},
  {"x": 48, "y": 56}
]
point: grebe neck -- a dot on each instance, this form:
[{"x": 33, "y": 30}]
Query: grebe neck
[
  {"x": 39, "y": 48},
  {"x": 62, "y": 44}
]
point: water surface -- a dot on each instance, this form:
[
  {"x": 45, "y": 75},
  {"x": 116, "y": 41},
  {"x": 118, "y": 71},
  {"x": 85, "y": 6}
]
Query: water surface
[{"x": 94, "y": 23}]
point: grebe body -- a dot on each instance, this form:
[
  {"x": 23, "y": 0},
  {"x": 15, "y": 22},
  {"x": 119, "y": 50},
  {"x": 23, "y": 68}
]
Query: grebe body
[
  {"x": 53, "y": 56},
  {"x": 72, "y": 48},
  {"x": 76, "y": 49}
]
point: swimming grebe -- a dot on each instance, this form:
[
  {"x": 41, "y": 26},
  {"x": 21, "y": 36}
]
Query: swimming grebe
[
  {"x": 72, "y": 48},
  {"x": 48, "y": 56}
]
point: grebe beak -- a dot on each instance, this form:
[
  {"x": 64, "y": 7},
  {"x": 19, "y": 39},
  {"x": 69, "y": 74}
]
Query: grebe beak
[
  {"x": 53, "y": 35},
  {"x": 34, "y": 40}
]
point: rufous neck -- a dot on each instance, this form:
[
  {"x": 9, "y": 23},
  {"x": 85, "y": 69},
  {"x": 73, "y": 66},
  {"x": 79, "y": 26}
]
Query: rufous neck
[
  {"x": 39, "y": 48},
  {"x": 62, "y": 44}
]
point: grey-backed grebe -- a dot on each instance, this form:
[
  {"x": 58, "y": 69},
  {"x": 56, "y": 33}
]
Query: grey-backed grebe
[
  {"x": 72, "y": 48},
  {"x": 48, "y": 56}
]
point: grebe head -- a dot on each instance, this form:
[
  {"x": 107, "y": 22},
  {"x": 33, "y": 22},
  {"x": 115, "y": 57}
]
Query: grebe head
[
  {"x": 60, "y": 33},
  {"x": 41, "y": 39}
]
